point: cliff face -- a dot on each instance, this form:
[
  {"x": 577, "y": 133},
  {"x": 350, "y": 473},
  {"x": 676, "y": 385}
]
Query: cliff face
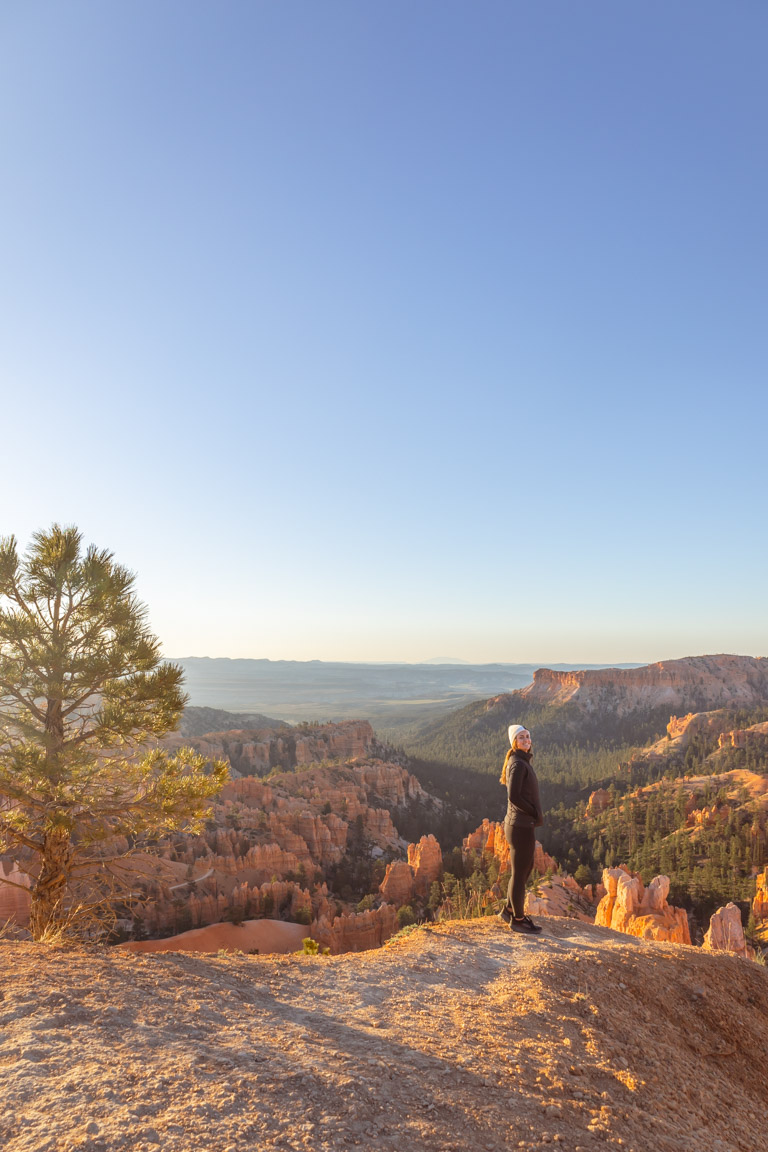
[
  {"x": 717, "y": 725},
  {"x": 257, "y": 751},
  {"x": 706, "y": 682},
  {"x": 628, "y": 907},
  {"x": 356, "y": 931}
]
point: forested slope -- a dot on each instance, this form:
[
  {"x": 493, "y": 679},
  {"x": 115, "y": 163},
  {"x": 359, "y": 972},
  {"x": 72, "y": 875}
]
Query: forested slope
[{"x": 684, "y": 797}]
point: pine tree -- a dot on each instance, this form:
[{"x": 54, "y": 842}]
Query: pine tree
[{"x": 84, "y": 695}]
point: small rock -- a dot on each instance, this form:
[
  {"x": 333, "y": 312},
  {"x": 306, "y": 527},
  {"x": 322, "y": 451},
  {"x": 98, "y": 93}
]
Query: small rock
[
  {"x": 150, "y": 1135},
  {"x": 92, "y": 1129}
]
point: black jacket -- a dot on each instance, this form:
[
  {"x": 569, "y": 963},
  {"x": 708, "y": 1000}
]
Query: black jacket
[{"x": 524, "y": 804}]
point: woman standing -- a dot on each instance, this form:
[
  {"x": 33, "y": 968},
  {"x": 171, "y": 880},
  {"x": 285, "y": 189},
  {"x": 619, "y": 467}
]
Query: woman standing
[{"x": 524, "y": 814}]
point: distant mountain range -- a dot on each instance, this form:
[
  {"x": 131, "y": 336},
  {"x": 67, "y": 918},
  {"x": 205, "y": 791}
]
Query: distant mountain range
[{"x": 392, "y": 696}]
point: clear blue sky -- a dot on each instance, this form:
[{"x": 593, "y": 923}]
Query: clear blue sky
[{"x": 385, "y": 331}]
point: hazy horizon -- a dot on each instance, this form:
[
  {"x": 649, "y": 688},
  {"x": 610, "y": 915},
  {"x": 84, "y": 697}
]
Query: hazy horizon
[{"x": 462, "y": 663}]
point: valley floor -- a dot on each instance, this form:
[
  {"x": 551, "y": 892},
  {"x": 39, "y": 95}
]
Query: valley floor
[{"x": 457, "y": 1036}]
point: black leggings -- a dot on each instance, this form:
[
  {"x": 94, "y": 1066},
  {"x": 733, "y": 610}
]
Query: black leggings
[{"x": 522, "y": 845}]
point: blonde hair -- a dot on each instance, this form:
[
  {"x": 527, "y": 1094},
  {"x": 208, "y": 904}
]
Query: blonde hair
[{"x": 507, "y": 758}]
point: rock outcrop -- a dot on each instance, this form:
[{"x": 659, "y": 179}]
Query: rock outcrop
[
  {"x": 356, "y": 931},
  {"x": 397, "y": 886},
  {"x": 628, "y": 907},
  {"x": 598, "y": 802},
  {"x": 704, "y": 682},
  {"x": 348, "y": 932},
  {"x": 490, "y": 838},
  {"x": 726, "y": 934},
  {"x": 754, "y": 736},
  {"x": 760, "y": 902},
  {"x": 426, "y": 860},
  {"x": 560, "y": 895},
  {"x": 257, "y": 751},
  {"x": 406, "y": 880}
]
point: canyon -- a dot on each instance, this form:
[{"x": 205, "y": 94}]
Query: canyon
[{"x": 276, "y": 833}]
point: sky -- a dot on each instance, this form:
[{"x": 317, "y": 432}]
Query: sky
[{"x": 388, "y": 331}]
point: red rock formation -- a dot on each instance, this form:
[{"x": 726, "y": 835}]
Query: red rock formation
[
  {"x": 719, "y": 680},
  {"x": 744, "y": 737},
  {"x": 490, "y": 837},
  {"x": 397, "y": 885},
  {"x": 263, "y": 936},
  {"x": 598, "y": 801},
  {"x": 682, "y": 729},
  {"x": 408, "y": 880},
  {"x": 426, "y": 860},
  {"x": 342, "y": 741},
  {"x": 356, "y": 932},
  {"x": 627, "y": 907},
  {"x": 256, "y": 751},
  {"x": 294, "y": 827},
  {"x": 725, "y": 933},
  {"x": 705, "y": 817},
  {"x": 562, "y": 896},
  {"x": 760, "y": 902}
]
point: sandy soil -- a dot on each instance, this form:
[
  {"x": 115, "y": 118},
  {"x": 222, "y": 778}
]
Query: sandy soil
[{"x": 458, "y": 1036}]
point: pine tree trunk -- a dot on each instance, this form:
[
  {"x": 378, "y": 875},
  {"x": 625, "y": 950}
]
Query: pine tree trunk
[{"x": 48, "y": 891}]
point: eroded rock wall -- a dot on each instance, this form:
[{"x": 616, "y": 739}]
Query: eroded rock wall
[{"x": 709, "y": 681}]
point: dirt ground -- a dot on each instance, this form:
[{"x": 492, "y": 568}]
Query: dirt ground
[{"x": 458, "y": 1036}]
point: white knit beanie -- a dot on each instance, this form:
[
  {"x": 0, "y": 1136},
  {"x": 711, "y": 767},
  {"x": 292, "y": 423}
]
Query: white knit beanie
[{"x": 515, "y": 730}]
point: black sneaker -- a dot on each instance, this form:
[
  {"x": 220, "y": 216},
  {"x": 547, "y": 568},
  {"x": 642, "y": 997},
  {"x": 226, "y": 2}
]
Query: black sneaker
[
  {"x": 505, "y": 916},
  {"x": 524, "y": 925}
]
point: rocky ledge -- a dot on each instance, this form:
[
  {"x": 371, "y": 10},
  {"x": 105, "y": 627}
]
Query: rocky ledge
[{"x": 461, "y": 1035}]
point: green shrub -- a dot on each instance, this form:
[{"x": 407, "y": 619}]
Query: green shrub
[
  {"x": 405, "y": 916},
  {"x": 404, "y": 932},
  {"x": 312, "y": 948}
]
